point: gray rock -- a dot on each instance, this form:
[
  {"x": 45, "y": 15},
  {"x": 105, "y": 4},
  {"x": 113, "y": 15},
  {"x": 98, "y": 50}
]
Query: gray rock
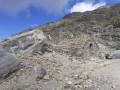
[
  {"x": 39, "y": 72},
  {"x": 46, "y": 77},
  {"x": 114, "y": 86},
  {"x": 69, "y": 82},
  {"x": 76, "y": 77},
  {"x": 8, "y": 63},
  {"x": 41, "y": 48},
  {"x": 116, "y": 56},
  {"x": 23, "y": 41},
  {"x": 37, "y": 49}
]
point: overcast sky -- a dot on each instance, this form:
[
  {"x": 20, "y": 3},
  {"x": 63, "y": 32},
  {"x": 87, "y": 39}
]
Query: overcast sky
[{"x": 17, "y": 15}]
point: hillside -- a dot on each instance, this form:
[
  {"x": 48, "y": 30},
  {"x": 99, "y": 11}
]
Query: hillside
[{"x": 81, "y": 51}]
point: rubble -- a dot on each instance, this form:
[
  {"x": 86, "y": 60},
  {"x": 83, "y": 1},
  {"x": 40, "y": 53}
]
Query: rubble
[{"x": 69, "y": 54}]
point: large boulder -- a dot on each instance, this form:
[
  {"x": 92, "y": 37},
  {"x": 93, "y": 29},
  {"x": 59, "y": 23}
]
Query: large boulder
[
  {"x": 8, "y": 63},
  {"x": 23, "y": 41},
  {"x": 116, "y": 56}
]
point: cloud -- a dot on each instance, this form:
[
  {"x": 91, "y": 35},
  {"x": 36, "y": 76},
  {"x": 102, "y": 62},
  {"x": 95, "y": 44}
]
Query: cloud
[
  {"x": 112, "y": 1},
  {"x": 51, "y": 5},
  {"x": 86, "y": 6},
  {"x": 34, "y": 25},
  {"x": 13, "y": 7}
]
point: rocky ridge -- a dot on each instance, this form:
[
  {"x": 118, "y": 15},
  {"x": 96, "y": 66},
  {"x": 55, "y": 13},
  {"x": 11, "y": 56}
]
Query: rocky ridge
[{"x": 66, "y": 54}]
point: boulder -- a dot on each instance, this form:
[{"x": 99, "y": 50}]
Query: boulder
[
  {"x": 8, "y": 63},
  {"x": 23, "y": 41},
  {"x": 39, "y": 72},
  {"x": 41, "y": 48},
  {"x": 116, "y": 56}
]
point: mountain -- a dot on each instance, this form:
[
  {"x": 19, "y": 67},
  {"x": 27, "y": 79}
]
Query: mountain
[{"x": 81, "y": 51}]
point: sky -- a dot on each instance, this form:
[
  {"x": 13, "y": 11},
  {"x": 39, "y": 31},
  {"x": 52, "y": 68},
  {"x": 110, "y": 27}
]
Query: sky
[{"x": 18, "y": 15}]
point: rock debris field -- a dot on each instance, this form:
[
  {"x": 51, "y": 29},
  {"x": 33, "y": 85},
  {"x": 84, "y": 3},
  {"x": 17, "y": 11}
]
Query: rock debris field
[{"x": 81, "y": 51}]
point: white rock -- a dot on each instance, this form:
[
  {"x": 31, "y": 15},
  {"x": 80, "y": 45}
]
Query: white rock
[
  {"x": 69, "y": 82},
  {"x": 76, "y": 77},
  {"x": 46, "y": 77},
  {"x": 114, "y": 86},
  {"x": 66, "y": 78}
]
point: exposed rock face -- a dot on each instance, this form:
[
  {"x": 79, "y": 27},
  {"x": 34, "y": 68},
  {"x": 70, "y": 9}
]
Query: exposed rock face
[
  {"x": 25, "y": 42},
  {"x": 8, "y": 63},
  {"x": 101, "y": 25},
  {"x": 78, "y": 43}
]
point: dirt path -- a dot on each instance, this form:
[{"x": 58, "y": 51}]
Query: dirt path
[{"x": 110, "y": 72}]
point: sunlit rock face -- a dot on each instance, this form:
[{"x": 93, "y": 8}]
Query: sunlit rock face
[{"x": 23, "y": 41}]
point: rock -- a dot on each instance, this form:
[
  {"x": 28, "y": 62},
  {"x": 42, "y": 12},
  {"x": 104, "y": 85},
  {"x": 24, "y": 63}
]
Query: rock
[
  {"x": 81, "y": 82},
  {"x": 69, "y": 82},
  {"x": 37, "y": 49},
  {"x": 76, "y": 77},
  {"x": 66, "y": 78},
  {"x": 113, "y": 86},
  {"x": 85, "y": 76},
  {"x": 8, "y": 63},
  {"x": 116, "y": 56},
  {"x": 88, "y": 76},
  {"x": 78, "y": 86},
  {"x": 90, "y": 80},
  {"x": 41, "y": 48},
  {"x": 46, "y": 77},
  {"x": 70, "y": 87},
  {"x": 39, "y": 72},
  {"x": 59, "y": 77},
  {"x": 67, "y": 86},
  {"x": 23, "y": 41},
  {"x": 81, "y": 76}
]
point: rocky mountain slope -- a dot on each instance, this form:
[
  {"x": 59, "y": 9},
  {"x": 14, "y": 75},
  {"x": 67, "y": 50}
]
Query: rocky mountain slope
[{"x": 78, "y": 52}]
